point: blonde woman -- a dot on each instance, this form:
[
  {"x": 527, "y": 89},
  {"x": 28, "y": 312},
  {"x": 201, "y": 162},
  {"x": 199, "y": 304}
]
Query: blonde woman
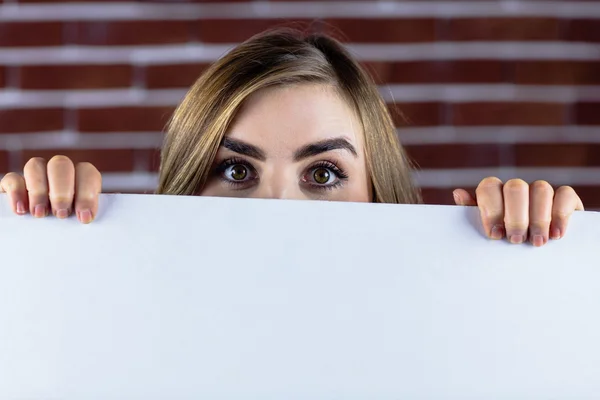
[{"x": 290, "y": 116}]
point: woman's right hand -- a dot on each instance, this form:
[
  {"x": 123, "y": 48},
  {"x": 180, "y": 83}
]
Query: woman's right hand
[{"x": 56, "y": 185}]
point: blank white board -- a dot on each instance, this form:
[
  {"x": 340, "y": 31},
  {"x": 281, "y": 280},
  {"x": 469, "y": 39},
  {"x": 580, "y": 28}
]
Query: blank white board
[{"x": 203, "y": 298}]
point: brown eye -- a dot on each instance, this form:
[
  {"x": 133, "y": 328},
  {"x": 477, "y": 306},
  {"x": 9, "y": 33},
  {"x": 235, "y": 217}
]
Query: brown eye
[
  {"x": 321, "y": 176},
  {"x": 238, "y": 172}
]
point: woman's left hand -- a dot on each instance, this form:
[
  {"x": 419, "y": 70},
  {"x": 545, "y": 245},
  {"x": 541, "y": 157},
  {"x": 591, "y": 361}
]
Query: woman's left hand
[{"x": 520, "y": 211}]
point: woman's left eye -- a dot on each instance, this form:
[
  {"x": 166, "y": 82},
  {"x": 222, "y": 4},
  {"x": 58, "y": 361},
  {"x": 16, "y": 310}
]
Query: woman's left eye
[{"x": 324, "y": 176}]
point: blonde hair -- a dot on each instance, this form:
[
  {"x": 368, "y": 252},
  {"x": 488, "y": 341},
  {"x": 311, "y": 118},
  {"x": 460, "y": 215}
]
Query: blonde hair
[{"x": 280, "y": 57}]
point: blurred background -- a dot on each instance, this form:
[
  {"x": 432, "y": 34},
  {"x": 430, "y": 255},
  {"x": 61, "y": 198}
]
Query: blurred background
[{"x": 504, "y": 88}]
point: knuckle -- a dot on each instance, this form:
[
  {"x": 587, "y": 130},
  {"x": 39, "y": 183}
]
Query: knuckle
[
  {"x": 565, "y": 190},
  {"x": 61, "y": 197},
  {"x": 86, "y": 166},
  {"x": 491, "y": 213},
  {"x": 490, "y": 181},
  {"x": 561, "y": 215},
  {"x": 60, "y": 159},
  {"x": 88, "y": 169},
  {"x": 540, "y": 223},
  {"x": 37, "y": 193},
  {"x": 516, "y": 225},
  {"x": 11, "y": 180},
  {"x": 86, "y": 196},
  {"x": 542, "y": 187},
  {"x": 35, "y": 162},
  {"x": 11, "y": 176},
  {"x": 516, "y": 185}
]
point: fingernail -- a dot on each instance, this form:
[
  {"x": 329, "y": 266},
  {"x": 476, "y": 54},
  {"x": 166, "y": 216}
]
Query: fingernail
[
  {"x": 516, "y": 239},
  {"x": 85, "y": 216},
  {"x": 62, "y": 213},
  {"x": 555, "y": 233},
  {"x": 39, "y": 211},
  {"x": 497, "y": 232},
  {"x": 537, "y": 240},
  {"x": 21, "y": 208}
]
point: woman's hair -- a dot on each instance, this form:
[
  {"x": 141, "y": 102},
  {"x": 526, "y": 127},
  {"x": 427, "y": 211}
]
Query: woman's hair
[{"x": 274, "y": 58}]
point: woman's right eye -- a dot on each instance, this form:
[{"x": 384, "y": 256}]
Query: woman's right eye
[{"x": 236, "y": 172}]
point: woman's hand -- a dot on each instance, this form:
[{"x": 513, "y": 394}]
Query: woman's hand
[
  {"x": 520, "y": 211},
  {"x": 56, "y": 185}
]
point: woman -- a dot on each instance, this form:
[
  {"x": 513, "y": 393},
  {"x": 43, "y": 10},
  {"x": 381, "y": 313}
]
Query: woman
[{"x": 285, "y": 115}]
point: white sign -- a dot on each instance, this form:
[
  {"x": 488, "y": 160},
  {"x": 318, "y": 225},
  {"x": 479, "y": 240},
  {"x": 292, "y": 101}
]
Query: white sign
[{"x": 200, "y": 298}]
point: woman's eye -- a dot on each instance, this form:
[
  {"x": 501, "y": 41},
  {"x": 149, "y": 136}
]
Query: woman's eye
[
  {"x": 323, "y": 176},
  {"x": 238, "y": 173}
]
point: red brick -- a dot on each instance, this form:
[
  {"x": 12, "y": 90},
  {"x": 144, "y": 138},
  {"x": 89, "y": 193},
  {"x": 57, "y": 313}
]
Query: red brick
[
  {"x": 495, "y": 155},
  {"x": 381, "y": 30},
  {"x": 69, "y": 1},
  {"x": 380, "y": 71},
  {"x": 590, "y": 195},
  {"x": 508, "y": 113},
  {"x": 106, "y": 160},
  {"x": 75, "y": 76},
  {"x": 587, "y": 113},
  {"x": 4, "y": 167},
  {"x": 124, "y": 119},
  {"x": 128, "y": 32},
  {"x": 236, "y": 30},
  {"x": 441, "y": 196},
  {"x": 456, "y": 155},
  {"x": 416, "y": 114},
  {"x": 583, "y": 30},
  {"x": 557, "y": 155},
  {"x": 2, "y": 76},
  {"x": 173, "y": 76},
  {"x": 153, "y": 157},
  {"x": 128, "y": 1},
  {"x": 495, "y": 29},
  {"x": 14, "y": 34},
  {"x": 31, "y": 120},
  {"x": 558, "y": 72},
  {"x": 448, "y": 72}
]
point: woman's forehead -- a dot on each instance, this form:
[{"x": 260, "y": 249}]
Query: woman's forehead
[{"x": 290, "y": 116}]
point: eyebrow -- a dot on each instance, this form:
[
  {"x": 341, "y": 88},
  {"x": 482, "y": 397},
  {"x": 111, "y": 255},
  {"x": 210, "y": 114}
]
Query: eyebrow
[
  {"x": 323, "y": 146},
  {"x": 309, "y": 150},
  {"x": 244, "y": 148}
]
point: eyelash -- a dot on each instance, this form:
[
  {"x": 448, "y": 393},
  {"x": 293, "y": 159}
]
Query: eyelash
[
  {"x": 222, "y": 167},
  {"x": 340, "y": 174}
]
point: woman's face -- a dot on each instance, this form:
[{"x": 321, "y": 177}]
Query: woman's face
[{"x": 293, "y": 142}]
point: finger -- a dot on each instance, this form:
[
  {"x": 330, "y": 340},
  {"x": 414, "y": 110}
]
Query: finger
[
  {"x": 516, "y": 210},
  {"x": 61, "y": 184},
  {"x": 463, "y": 198},
  {"x": 491, "y": 206},
  {"x": 88, "y": 185},
  {"x": 565, "y": 202},
  {"x": 36, "y": 182},
  {"x": 541, "y": 197},
  {"x": 14, "y": 186}
]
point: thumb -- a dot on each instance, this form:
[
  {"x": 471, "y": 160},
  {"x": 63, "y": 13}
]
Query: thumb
[{"x": 463, "y": 198}]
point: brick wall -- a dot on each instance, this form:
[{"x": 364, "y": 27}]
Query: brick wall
[{"x": 505, "y": 88}]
